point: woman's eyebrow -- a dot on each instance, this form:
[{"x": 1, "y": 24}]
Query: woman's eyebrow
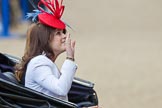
[{"x": 59, "y": 30}]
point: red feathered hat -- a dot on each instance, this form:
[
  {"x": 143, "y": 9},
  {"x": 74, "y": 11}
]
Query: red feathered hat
[{"x": 51, "y": 18}]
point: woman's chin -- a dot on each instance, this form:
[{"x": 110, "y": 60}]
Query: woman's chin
[{"x": 64, "y": 49}]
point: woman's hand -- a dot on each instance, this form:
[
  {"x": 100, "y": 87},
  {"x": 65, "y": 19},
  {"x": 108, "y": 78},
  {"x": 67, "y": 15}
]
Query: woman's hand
[{"x": 70, "y": 46}]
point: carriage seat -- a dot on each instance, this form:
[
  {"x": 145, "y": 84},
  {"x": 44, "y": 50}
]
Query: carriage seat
[{"x": 11, "y": 76}]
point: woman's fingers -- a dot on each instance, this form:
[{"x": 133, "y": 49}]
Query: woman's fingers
[
  {"x": 70, "y": 46},
  {"x": 68, "y": 40},
  {"x": 73, "y": 44}
]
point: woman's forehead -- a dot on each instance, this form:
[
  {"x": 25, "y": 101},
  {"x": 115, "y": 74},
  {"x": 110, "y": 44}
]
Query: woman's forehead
[
  {"x": 57, "y": 30},
  {"x": 61, "y": 30}
]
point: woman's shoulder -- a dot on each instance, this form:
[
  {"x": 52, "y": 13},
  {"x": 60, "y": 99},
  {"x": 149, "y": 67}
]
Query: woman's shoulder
[{"x": 40, "y": 60}]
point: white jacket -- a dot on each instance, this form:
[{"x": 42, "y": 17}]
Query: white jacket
[{"x": 43, "y": 76}]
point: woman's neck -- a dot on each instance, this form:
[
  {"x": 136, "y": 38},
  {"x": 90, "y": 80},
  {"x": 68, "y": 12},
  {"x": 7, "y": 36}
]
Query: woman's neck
[{"x": 54, "y": 57}]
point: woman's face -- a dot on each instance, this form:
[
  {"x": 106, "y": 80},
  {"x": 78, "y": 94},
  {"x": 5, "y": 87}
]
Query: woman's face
[{"x": 58, "y": 41}]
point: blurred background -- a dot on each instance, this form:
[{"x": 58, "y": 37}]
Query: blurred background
[{"x": 119, "y": 46}]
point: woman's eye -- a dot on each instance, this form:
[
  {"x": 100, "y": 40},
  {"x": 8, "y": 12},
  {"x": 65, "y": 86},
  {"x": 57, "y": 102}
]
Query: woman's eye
[
  {"x": 64, "y": 31},
  {"x": 58, "y": 33},
  {"x": 61, "y": 32}
]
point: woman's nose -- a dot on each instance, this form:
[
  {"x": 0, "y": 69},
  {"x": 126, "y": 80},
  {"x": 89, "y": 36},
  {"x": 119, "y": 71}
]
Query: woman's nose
[{"x": 64, "y": 36}]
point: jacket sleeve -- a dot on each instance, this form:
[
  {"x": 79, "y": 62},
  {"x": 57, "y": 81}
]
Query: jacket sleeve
[{"x": 44, "y": 76}]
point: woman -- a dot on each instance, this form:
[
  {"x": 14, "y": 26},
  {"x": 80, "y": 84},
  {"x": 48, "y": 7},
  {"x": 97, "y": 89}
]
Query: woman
[{"x": 46, "y": 40}]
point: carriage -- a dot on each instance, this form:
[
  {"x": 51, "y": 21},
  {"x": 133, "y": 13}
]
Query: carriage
[{"x": 16, "y": 95}]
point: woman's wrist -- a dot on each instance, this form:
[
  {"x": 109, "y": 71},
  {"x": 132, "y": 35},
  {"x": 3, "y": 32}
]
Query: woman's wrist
[{"x": 70, "y": 58}]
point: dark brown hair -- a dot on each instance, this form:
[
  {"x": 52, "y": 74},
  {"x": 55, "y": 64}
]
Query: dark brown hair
[{"x": 37, "y": 42}]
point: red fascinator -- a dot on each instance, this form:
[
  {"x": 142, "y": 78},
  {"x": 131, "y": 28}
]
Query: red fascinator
[{"x": 50, "y": 17}]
